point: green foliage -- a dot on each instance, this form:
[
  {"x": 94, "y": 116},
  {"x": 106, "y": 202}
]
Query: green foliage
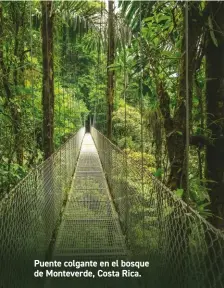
[
  {"x": 147, "y": 54},
  {"x": 21, "y": 87},
  {"x": 132, "y": 128},
  {"x": 146, "y": 159},
  {"x": 158, "y": 173},
  {"x": 179, "y": 193}
]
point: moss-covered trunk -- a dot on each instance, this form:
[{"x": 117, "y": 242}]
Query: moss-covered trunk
[
  {"x": 48, "y": 78},
  {"x": 15, "y": 113},
  {"x": 175, "y": 127}
]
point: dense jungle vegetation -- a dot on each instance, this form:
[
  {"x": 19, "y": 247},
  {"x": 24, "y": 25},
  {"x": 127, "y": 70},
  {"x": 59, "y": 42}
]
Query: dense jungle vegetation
[{"x": 124, "y": 69}]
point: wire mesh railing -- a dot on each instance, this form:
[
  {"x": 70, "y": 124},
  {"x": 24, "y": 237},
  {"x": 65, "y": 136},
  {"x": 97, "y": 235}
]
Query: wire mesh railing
[
  {"x": 29, "y": 214},
  {"x": 184, "y": 250},
  {"x": 90, "y": 226}
]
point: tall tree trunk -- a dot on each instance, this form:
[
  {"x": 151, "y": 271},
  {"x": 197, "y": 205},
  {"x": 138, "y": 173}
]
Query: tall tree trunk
[
  {"x": 18, "y": 18},
  {"x": 48, "y": 116},
  {"x": 215, "y": 111},
  {"x": 13, "y": 108},
  {"x": 110, "y": 71},
  {"x": 175, "y": 127},
  {"x": 48, "y": 78}
]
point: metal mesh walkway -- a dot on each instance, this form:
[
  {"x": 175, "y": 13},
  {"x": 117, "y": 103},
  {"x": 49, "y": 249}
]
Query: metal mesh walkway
[
  {"x": 183, "y": 249},
  {"x": 90, "y": 225}
]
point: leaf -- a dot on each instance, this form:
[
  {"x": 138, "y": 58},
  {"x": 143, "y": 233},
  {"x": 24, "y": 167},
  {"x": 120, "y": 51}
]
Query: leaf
[
  {"x": 5, "y": 159},
  {"x": 203, "y": 205},
  {"x": 179, "y": 133},
  {"x": 158, "y": 172},
  {"x": 179, "y": 193},
  {"x": 163, "y": 17}
]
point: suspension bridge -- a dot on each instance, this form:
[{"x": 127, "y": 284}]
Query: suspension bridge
[{"x": 89, "y": 201}]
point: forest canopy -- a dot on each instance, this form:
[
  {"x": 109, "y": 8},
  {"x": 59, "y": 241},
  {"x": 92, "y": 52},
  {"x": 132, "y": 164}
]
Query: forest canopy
[{"x": 148, "y": 74}]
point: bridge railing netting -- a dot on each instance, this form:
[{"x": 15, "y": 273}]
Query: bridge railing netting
[
  {"x": 29, "y": 213},
  {"x": 183, "y": 249}
]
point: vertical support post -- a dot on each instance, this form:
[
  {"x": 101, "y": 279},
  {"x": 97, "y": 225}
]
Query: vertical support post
[
  {"x": 126, "y": 199},
  {"x": 109, "y": 224},
  {"x": 186, "y": 193},
  {"x": 104, "y": 154},
  {"x": 110, "y": 70}
]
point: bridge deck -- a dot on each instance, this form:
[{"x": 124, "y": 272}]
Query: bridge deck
[{"x": 90, "y": 225}]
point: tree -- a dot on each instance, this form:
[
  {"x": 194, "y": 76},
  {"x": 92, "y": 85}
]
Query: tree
[
  {"x": 17, "y": 12},
  {"x": 215, "y": 110},
  {"x": 48, "y": 77},
  {"x": 176, "y": 126}
]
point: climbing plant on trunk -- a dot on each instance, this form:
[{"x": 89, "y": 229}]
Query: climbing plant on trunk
[
  {"x": 17, "y": 17},
  {"x": 175, "y": 126},
  {"x": 48, "y": 77}
]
